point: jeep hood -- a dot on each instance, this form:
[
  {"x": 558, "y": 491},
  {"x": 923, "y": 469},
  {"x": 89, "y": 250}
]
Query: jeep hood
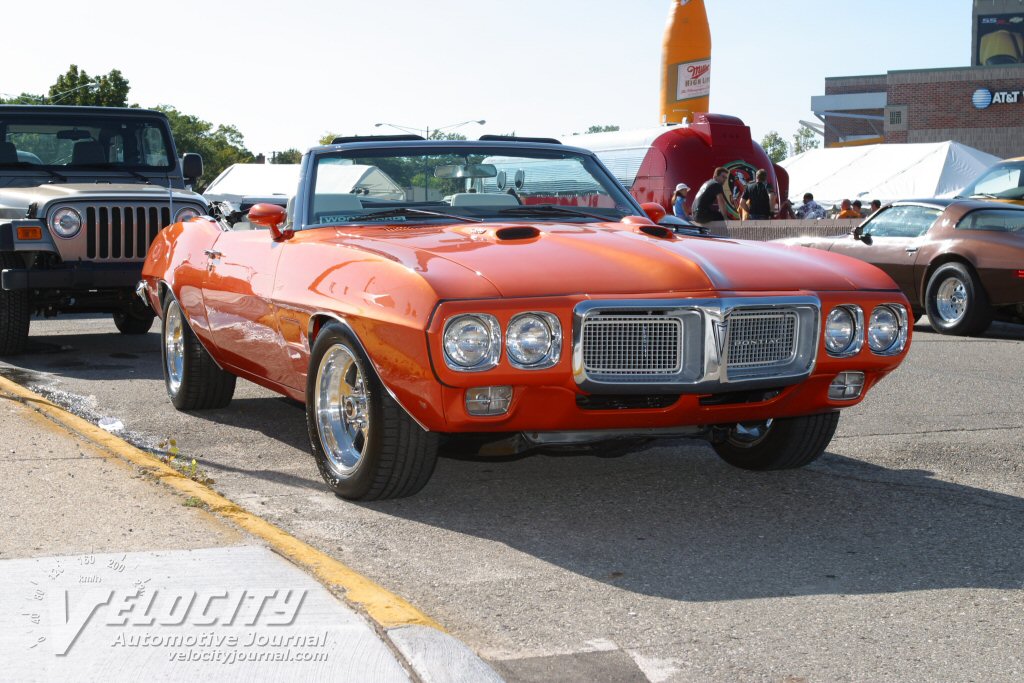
[
  {"x": 22, "y": 197},
  {"x": 546, "y": 259}
]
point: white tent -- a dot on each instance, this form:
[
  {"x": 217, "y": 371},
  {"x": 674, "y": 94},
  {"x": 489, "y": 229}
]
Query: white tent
[
  {"x": 253, "y": 180},
  {"x": 885, "y": 172}
]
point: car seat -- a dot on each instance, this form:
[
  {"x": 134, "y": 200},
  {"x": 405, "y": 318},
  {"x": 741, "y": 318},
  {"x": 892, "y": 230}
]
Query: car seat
[{"x": 88, "y": 152}]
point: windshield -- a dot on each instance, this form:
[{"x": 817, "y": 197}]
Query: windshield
[
  {"x": 466, "y": 182},
  {"x": 1002, "y": 181},
  {"x": 74, "y": 141}
]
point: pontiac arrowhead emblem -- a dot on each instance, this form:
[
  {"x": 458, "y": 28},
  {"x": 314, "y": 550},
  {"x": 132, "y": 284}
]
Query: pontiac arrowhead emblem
[{"x": 721, "y": 332}]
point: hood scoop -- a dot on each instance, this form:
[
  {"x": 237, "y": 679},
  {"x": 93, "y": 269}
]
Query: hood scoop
[
  {"x": 519, "y": 232},
  {"x": 659, "y": 231}
]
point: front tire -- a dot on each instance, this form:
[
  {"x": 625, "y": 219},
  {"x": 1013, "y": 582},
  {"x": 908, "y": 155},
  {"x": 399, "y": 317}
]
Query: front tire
[
  {"x": 781, "y": 444},
  {"x": 956, "y": 302},
  {"x": 132, "y": 323},
  {"x": 14, "y": 313},
  {"x": 366, "y": 445},
  {"x": 192, "y": 379}
]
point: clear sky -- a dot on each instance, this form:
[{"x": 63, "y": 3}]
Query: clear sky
[{"x": 285, "y": 72}]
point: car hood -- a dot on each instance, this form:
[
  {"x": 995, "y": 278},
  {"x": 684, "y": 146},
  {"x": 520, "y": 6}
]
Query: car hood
[{"x": 543, "y": 259}]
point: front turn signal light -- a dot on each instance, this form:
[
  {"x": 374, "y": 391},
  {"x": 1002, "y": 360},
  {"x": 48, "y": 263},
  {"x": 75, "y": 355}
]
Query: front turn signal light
[{"x": 33, "y": 233}]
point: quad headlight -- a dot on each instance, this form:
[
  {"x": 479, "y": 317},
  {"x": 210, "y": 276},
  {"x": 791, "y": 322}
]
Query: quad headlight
[
  {"x": 887, "y": 329},
  {"x": 65, "y": 222},
  {"x": 844, "y": 330},
  {"x": 472, "y": 342},
  {"x": 534, "y": 340},
  {"x": 186, "y": 214}
]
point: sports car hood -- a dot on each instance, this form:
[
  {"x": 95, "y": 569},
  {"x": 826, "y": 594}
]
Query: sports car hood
[{"x": 605, "y": 259}]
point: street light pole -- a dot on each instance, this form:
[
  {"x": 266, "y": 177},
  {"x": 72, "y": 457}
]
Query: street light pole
[
  {"x": 62, "y": 95},
  {"x": 426, "y": 131}
]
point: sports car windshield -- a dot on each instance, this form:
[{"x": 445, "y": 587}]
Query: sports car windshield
[
  {"x": 422, "y": 185},
  {"x": 1002, "y": 181},
  {"x": 84, "y": 142}
]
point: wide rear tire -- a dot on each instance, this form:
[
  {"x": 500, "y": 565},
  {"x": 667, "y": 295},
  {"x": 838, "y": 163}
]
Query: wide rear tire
[
  {"x": 781, "y": 444},
  {"x": 192, "y": 379},
  {"x": 15, "y": 313},
  {"x": 366, "y": 445}
]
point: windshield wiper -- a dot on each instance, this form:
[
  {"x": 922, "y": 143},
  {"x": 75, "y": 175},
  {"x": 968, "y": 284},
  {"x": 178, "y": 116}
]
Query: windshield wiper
[
  {"x": 552, "y": 210},
  {"x": 36, "y": 167},
  {"x": 408, "y": 211},
  {"x": 115, "y": 167}
]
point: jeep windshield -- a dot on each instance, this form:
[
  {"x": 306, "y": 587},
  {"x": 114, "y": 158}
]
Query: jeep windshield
[
  {"x": 71, "y": 142},
  {"x": 443, "y": 182}
]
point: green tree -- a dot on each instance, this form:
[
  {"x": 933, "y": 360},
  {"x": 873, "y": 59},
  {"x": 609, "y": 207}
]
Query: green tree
[
  {"x": 327, "y": 137},
  {"x": 288, "y": 156},
  {"x": 79, "y": 88},
  {"x": 804, "y": 139},
  {"x": 220, "y": 146},
  {"x": 23, "y": 98},
  {"x": 774, "y": 146}
]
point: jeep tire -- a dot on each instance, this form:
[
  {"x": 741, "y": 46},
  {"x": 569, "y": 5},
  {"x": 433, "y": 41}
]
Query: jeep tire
[{"x": 14, "y": 312}]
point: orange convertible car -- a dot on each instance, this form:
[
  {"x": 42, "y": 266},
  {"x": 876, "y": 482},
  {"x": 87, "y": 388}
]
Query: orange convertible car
[{"x": 510, "y": 295}]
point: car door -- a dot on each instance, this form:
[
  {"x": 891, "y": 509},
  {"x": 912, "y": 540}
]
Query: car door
[
  {"x": 239, "y": 304},
  {"x": 891, "y": 239}
]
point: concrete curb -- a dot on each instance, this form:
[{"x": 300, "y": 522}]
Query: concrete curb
[{"x": 392, "y": 614}]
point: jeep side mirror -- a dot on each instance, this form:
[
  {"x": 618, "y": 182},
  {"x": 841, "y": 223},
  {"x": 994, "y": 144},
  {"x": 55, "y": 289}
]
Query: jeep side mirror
[
  {"x": 191, "y": 165},
  {"x": 271, "y": 216}
]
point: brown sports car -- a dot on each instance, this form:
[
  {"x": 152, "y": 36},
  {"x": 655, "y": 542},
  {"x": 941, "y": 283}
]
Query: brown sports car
[{"x": 959, "y": 261}]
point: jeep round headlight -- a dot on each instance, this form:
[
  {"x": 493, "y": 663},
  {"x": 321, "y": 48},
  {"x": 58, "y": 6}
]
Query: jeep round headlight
[
  {"x": 886, "y": 329},
  {"x": 65, "y": 222},
  {"x": 472, "y": 342},
  {"x": 842, "y": 330},
  {"x": 534, "y": 340},
  {"x": 186, "y": 214}
]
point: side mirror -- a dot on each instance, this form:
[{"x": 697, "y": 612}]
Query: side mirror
[
  {"x": 654, "y": 211},
  {"x": 271, "y": 216},
  {"x": 191, "y": 165}
]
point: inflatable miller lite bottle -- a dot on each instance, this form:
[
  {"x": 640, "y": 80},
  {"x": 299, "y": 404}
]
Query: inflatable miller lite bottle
[{"x": 686, "y": 62}]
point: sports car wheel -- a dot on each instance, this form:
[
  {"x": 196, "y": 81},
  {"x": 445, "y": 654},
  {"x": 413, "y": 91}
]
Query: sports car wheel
[
  {"x": 131, "y": 323},
  {"x": 14, "y": 312},
  {"x": 956, "y": 302},
  {"x": 782, "y": 444},
  {"x": 365, "y": 444},
  {"x": 193, "y": 380}
]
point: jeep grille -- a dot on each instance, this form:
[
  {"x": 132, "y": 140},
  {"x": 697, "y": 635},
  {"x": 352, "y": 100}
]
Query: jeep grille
[{"x": 118, "y": 232}]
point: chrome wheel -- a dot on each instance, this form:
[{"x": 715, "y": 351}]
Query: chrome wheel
[
  {"x": 749, "y": 434},
  {"x": 342, "y": 409},
  {"x": 951, "y": 299},
  {"x": 174, "y": 347}
]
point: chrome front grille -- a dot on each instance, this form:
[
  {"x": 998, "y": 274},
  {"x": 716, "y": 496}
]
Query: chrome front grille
[
  {"x": 694, "y": 345},
  {"x": 632, "y": 345},
  {"x": 761, "y": 338},
  {"x": 122, "y": 233}
]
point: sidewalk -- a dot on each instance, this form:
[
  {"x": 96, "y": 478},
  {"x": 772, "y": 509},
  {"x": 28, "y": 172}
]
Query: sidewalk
[{"x": 108, "y": 574}]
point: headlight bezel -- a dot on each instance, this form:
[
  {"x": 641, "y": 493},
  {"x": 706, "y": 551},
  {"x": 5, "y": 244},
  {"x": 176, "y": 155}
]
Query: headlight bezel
[
  {"x": 54, "y": 222},
  {"x": 899, "y": 341},
  {"x": 196, "y": 213},
  {"x": 856, "y": 343},
  {"x": 493, "y": 352},
  {"x": 554, "y": 347}
]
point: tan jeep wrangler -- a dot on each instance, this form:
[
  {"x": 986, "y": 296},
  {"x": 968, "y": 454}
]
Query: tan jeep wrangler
[{"x": 83, "y": 192}]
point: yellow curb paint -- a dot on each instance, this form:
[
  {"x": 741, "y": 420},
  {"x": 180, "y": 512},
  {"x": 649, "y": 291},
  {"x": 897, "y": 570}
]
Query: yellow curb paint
[{"x": 381, "y": 605}]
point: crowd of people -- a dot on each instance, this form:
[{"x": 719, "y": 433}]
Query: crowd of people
[{"x": 757, "y": 200}]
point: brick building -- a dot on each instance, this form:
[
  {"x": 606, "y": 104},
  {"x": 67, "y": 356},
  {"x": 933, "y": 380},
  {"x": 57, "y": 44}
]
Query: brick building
[{"x": 980, "y": 105}]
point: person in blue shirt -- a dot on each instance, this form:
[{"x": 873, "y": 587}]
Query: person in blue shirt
[{"x": 679, "y": 201}]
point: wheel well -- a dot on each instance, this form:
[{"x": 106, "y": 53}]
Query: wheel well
[{"x": 941, "y": 261}]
